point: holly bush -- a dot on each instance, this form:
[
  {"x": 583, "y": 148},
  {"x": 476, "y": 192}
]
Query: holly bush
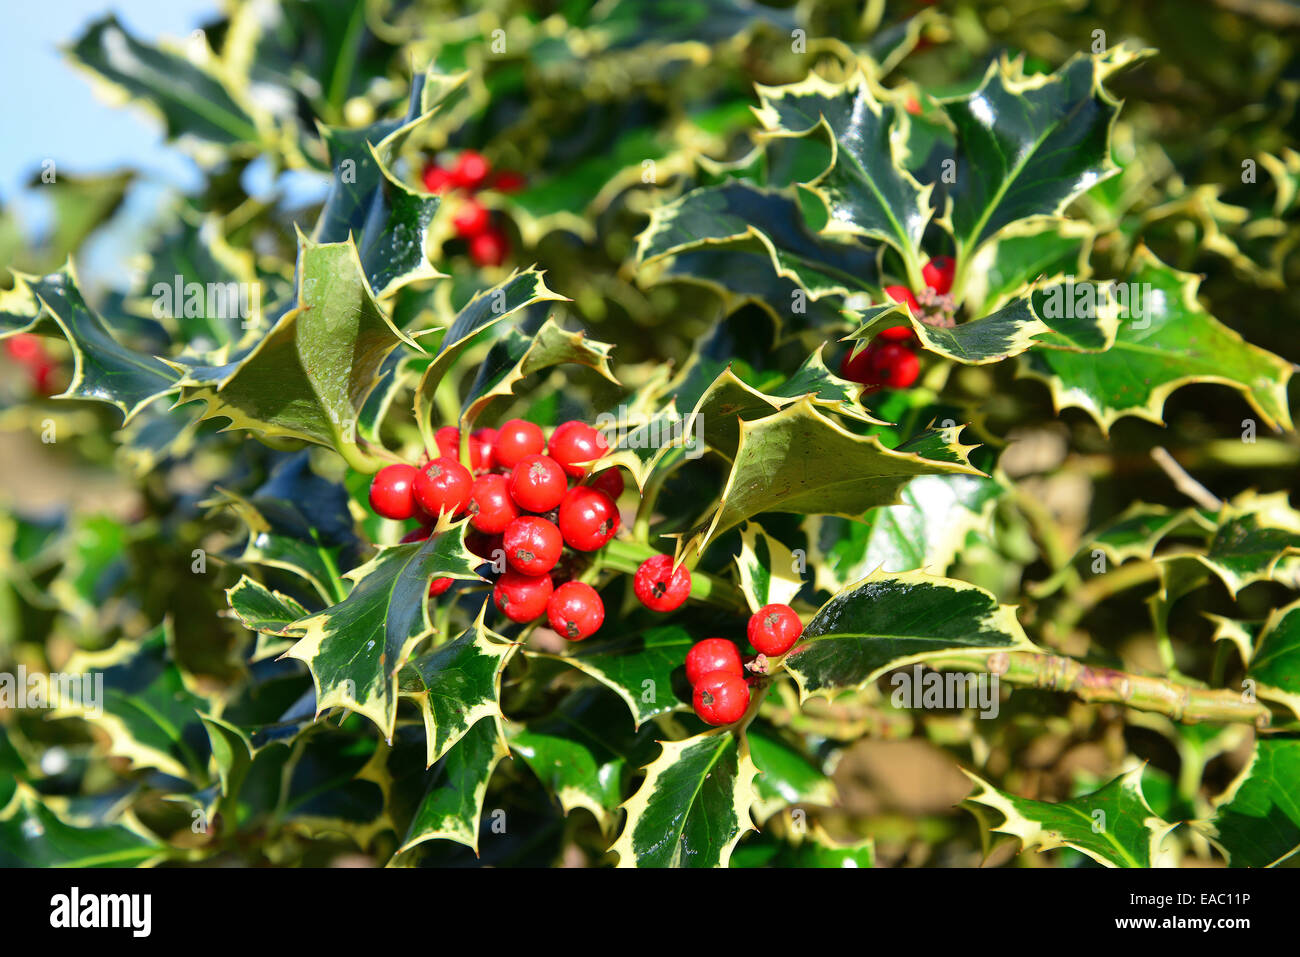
[{"x": 935, "y": 444}]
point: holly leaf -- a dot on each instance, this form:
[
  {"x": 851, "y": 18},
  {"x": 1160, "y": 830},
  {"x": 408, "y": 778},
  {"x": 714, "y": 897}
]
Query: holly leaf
[
  {"x": 582, "y": 751},
  {"x": 890, "y": 619},
  {"x": 814, "y": 848},
  {"x": 1174, "y": 342},
  {"x": 517, "y": 355},
  {"x": 482, "y": 312},
  {"x": 388, "y": 220},
  {"x": 798, "y": 460},
  {"x": 693, "y": 805},
  {"x": 148, "y": 710},
  {"x": 309, "y": 376},
  {"x": 1274, "y": 666},
  {"x": 196, "y": 104},
  {"x": 745, "y": 218},
  {"x": 786, "y": 775},
  {"x": 453, "y": 803},
  {"x": 867, "y": 189},
  {"x": 260, "y": 609},
  {"x": 104, "y": 370},
  {"x": 1031, "y": 251},
  {"x": 1139, "y": 530},
  {"x": 924, "y": 532},
  {"x": 1114, "y": 825},
  {"x": 457, "y": 685},
  {"x": 1028, "y": 145},
  {"x": 1255, "y": 534},
  {"x": 32, "y": 835},
  {"x": 356, "y": 649},
  {"x": 767, "y": 569},
  {"x": 1256, "y": 822}
]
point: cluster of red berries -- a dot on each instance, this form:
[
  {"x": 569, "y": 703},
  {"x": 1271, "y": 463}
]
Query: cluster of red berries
[
  {"x": 888, "y": 360},
  {"x": 716, "y": 672},
  {"x": 28, "y": 350},
  {"x": 488, "y": 244},
  {"x": 517, "y": 493}
]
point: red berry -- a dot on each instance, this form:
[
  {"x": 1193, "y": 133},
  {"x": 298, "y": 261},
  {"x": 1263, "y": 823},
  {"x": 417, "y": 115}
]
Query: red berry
[
  {"x": 391, "y": 492},
  {"x": 470, "y": 220},
  {"x": 482, "y": 544},
  {"x": 720, "y": 698},
  {"x": 521, "y": 597},
  {"x": 470, "y": 171},
  {"x": 438, "y": 586},
  {"x": 537, "y": 483},
  {"x": 506, "y": 181},
  {"x": 416, "y": 535},
  {"x": 25, "y": 347},
  {"x": 912, "y": 106},
  {"x": 575, "y": 445},
  {"x": 481, "y": 443},
  {"x": 588, "y": 518},
  {"x": 609, "y": 481},
  {"x": 713, "y": 654},
  {"x": 895, "y": 366},
  {"x": 516, "y": 439},
  {"x": 658, "y": 587},
  {"x": 491, "y": 508},
  {"x": 443, "y": 486},
  {"x": 903, "y": 294},
  {"x": 895, "y": 334},
  {"x": 857, "y": 368},
  {"x": 575, "y": 611},
  {"x": 448, "y": 441},
  {"x": 436, "y": 179},
  {"x": 532, "y": 545},
  {"x": 773, "y": 629},
  {"x": 490, "y": 247},
  {"x": 938, "y": 273}
]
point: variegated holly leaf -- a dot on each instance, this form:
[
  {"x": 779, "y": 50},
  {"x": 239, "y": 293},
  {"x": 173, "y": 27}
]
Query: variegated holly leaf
[
  {"x": 517, "y": 355},
  {"x": 261, "y": 609},
  {"x": 1167, "y": 341},
  {"x": 745, "y": 218},
  {"x": 890, "y": 619},
  {"x": 195, "y": 98},
  {"x": 798, "y": 460},
  {"x": 300, "y": 523},
  {"x": 638, "y": 666},
  {"x": 356, "y": 649},
  {"x": 366, "y": 201},
  {"x": 1138, "y": 532},
  {"x": 924, "y": 532},
  {"x": 33, "y": 835},
  {"x": 1254, "y": 535},
  {"x": 1256, "y": 822},
  {"x": 309, "y": 376},
  {"x": 1114, "y": 825},
  {"x": 104, "y": 370},
  {"x": 583, "y": 751},
  {"x": 453, "y": 803},
  {"x": 482, "y": 312},
  {"x": 769, "y": 572},
  {"x": 693, "y": 805},
  {"x": 814, "y": 848},
  {"x": 651, "y": 441},
  {"x": 867, "y": 189},
  {"x": 1274, "y": 667},
  {"x": 148, "y": 709},
  {"x": 1028, "y": 145},
  {"x": 457, "y": 685},
  {"x": 1031, "y": 251},
  {"x": 786, "y": 775}
]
